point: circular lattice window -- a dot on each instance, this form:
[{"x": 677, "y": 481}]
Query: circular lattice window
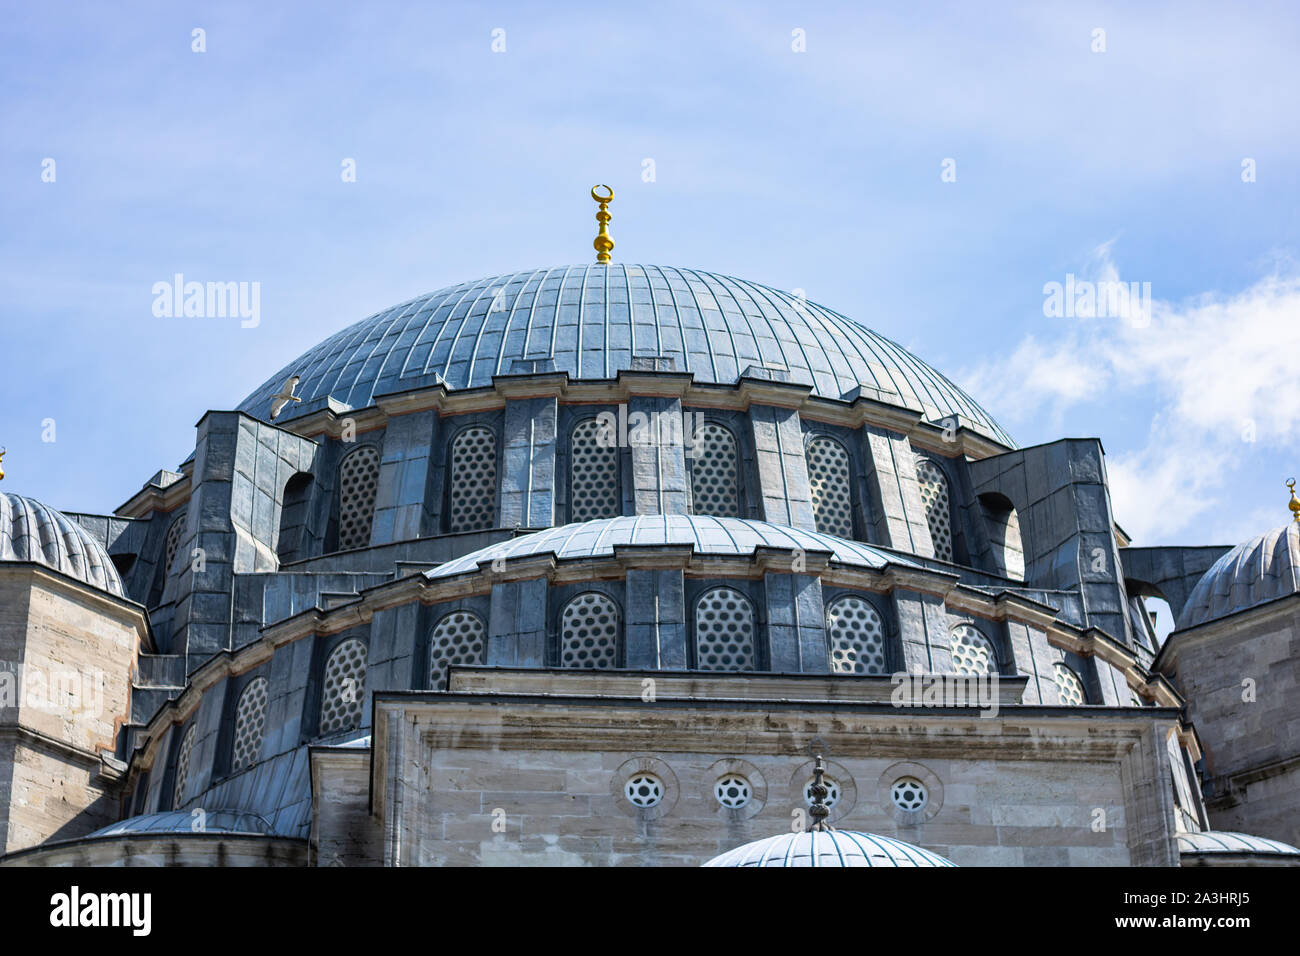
[
  {"x": 832, "y": 792},
  {"x": 934, "y": 495},
  {"x": 589, "y": 632},
  {"x": 733, "y": 791},
  {"x": 473, "y": 480},
  {"x": 457, "y": 638},
  {"x": 358, "y": 483},
  {"x": 828, "y": 479},
  {"x": 183, "y": 766},
  {"x": 724, "y": 631},
  {"x": 343, "y": 687},
  {"x": 250, "y": 719},
  {"x": 593, "y": 474},
  {"x": 857, "y": 637},
  {"x": 644, "y": 790},
  {"x": 714, "y": 469},
  {"x": 909, "y": 794},
  {"x": 972, "y": 654},
  {"x": 1069, "y": 685}
]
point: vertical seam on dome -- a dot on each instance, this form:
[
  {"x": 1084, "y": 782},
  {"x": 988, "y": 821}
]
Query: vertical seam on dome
[
  {"x": 749, "y": 289},
  {"x": 514, "y": 307},
  {"x": 455, "y": 340},
  {"x": 681, "y": 330}
]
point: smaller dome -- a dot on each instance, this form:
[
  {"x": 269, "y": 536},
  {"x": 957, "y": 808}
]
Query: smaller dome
[
  {"x": 1212, "y": 842},
  {"x": 1261, "y": 570},
  {"x": 829, "y": 848},
  {"x": 184, "y": 821},
  {"x": 733, "y": 537},
  {"x": 31, "y": 531}
]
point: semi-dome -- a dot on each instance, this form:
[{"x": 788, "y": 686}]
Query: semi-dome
[
  {"x": 707, "y": 535},
  {"x": 1261, "y": 570},
  {"x": 183, "y": 821},
  {"x": 829, "y": 848},
  {"x": 31, "y": 531},
  {"x": 591, "y": 321}
]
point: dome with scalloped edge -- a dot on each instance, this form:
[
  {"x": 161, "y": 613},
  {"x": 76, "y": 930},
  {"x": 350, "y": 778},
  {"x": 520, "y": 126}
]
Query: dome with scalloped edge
[
  {"x": 30, "y": 531},
  {"x": 592, "y": 321},
  {"x": 829, "y": 848},
  {"x": 1261, "y": 570}
]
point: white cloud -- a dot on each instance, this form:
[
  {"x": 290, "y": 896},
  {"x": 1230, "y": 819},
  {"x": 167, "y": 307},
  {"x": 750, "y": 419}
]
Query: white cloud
[{"x": 1218, "y": 370}]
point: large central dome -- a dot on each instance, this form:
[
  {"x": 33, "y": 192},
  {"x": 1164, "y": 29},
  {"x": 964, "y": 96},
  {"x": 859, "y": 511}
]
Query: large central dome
[{"x": 592, "y": 320}]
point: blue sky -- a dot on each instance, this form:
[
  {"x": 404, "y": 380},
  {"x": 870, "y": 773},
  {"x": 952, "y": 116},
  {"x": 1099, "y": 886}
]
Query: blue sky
[{"x": 817, "y": 170}]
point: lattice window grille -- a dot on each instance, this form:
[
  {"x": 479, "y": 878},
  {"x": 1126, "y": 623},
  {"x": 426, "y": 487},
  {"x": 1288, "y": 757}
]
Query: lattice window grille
[
  {"x": 644, "y": 790},
  {"x": 972, "y": 652},
  {"x": 358, "y": 484},
  {"x": 832, "y": 792},
  {"x": 909, "y": 794},
  {"x": 715, "y": 469},
  {"x": 857, "y": 637},
  {"x": 458, "y": 638},
  {"x": 173, "y": 544},
  {"x": 724, "y": 631},
  {"x": 343, "y": 687},
  {"x": 473, "y": 480},
  {"x": 828, "y": 477},
  {"x": 183, "y": 754},
  {"x": 934, "y": 495},
  {"x": 593, "y": 474},
  {"x": 1069, "y": 684},
  {"x": 589, "y": 632},
  {"x": 733, "y": 791},
  {"x": 250, "y": 719}
]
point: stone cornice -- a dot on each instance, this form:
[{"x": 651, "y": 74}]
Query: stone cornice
[
  {"x": 863, "y": 410},
  {"x": 1230, "y": 626},
  {"x": 120, "y": 608}
]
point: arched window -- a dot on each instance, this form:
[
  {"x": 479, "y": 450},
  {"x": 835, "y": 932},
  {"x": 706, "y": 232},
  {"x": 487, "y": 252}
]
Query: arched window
[
  {"x": 290, "y": 545},
  {"x": 934, "y": 495},
  {"x": 589, "y": 629},
  {"x": 183, "y": 754},
  {"x": 857, "y": 637},
  {"x": 473, "y": 480},
  {"x": 250, "y": 719},
  {"x": 1069, "y": 684},
  {"x": 724, "y": 631},
  {"x": 343, "y": 687},
  {"x": 593, "y": 474},
  {"x": 458, "y": 638},
  {"x": 358, "y": 482},
  {"x": 828, "y": 477},
  {"x": 173, "y": 544},
  {"x": 715, "y": 468},
  {"x": 972, "y": 652},
  {"x": 1003, "y": 524}
]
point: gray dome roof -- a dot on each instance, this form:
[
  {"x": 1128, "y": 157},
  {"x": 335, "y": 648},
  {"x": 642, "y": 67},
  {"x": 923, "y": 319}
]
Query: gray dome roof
[
  {"x": 182, "y": 821},
  {"x": 707, "y": 535},
  {"x": 829, "y": 848},
  {"x": 30, "y": 531},
  {"x": 1228, "y": 841},
  {"x": 592, "y": 320},
  {"x": 1253, "y": 573}
]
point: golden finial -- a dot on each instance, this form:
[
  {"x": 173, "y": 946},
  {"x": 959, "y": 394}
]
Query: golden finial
[
  {"x": 1294, "y": 505},
  {"x": 2, "y": 462},
  {"x": 603, "y": 244}
]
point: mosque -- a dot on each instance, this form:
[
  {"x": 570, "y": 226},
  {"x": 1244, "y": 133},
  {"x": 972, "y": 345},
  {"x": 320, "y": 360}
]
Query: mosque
[{"x": 615, "y": 564}]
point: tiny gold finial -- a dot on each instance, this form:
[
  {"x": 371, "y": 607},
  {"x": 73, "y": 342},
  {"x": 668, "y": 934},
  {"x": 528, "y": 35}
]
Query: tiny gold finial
[
  {"x": 1294, "y": 505},
  {"x": 603, "y": 244},
  {"x": 2, "y": 464}
]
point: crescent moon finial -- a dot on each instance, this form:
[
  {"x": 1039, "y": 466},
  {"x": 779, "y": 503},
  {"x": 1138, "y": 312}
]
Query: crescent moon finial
[{"x": 603, "y": 244}]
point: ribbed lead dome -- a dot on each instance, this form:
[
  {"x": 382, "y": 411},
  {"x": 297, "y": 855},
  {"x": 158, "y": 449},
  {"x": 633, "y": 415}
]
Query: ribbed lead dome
[
  {"x": 1261, "y": 570},
  {"x": 30, "y": 531},
  {"x": 829, "y": 848},
  {"x": 592, "y": 320}
]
